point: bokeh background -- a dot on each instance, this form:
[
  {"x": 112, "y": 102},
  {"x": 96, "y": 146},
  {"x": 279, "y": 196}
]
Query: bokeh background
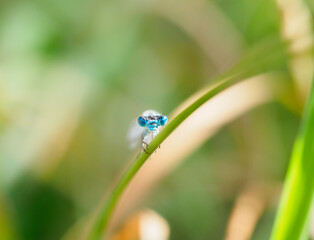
[{"x": 73, "y": 76}]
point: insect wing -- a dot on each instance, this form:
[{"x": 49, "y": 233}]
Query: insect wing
[{"x": 134, "y": 136}]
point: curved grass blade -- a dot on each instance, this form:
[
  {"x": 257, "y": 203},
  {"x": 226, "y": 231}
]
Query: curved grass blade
[{"x": 264, "y": 63}]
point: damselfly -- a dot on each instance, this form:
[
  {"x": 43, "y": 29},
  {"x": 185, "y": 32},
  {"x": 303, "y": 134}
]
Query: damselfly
[{"x": 146, "y": 128}]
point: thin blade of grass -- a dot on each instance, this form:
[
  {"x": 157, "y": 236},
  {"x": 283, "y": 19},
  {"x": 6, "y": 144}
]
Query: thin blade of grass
[
  {"x": 263, "y": 64},
  {"x": 294, "y": 208}
]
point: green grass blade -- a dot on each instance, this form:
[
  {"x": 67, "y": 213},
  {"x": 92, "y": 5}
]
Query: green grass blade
[
  {"x": 264, "y": 63},
  {"x": 295, "y": 203},
  {"x": 101, "y": 223}
]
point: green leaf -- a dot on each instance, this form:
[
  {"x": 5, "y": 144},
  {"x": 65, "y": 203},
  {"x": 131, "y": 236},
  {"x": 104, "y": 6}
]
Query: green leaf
[{"x": 294, "y": 209}]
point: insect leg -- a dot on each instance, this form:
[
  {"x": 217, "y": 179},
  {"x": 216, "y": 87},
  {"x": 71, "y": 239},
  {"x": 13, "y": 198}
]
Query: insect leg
[{"x": 144, "y": 141}]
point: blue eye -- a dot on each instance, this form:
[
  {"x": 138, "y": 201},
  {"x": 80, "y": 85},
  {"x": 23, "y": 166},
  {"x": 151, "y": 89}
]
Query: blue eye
[
  {"x": 141, "y": 121},
  {"x": 163, "y": 120}
]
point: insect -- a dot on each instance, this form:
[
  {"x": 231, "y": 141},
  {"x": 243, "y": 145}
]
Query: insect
[{"x": 147, "y": 127}]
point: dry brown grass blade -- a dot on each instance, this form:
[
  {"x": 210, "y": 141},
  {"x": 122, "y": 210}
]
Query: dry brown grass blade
[
  {"x": 143, "y": 225},
  {"x": 297, "y": 28},
  {"x": 249, "y": 207}
]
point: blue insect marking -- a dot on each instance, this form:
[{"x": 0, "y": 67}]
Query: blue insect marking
[{"x": 152, "y": 121}]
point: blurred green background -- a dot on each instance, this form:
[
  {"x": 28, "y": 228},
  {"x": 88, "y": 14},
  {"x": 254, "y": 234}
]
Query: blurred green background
[{"x": 74, "y": 74}]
